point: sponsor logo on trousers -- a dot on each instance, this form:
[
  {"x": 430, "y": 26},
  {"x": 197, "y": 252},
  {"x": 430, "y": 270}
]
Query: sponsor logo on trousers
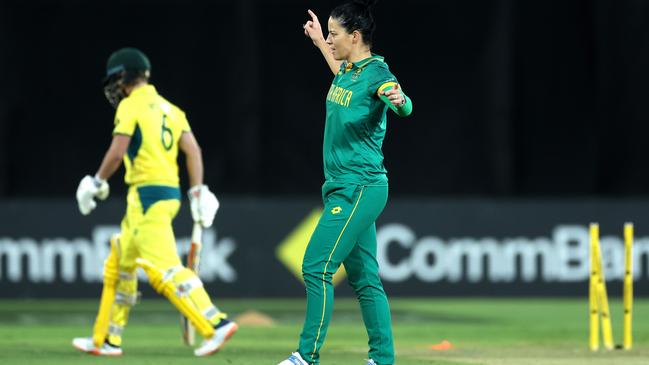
[
  {"x": 560, "y": 257},
  {"x": 81, "y": 259}
]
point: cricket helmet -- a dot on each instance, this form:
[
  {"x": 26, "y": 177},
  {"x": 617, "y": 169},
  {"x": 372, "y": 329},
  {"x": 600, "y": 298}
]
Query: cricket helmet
[{"x": 123, "y": 67}]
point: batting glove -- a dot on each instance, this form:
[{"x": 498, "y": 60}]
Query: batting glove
[
  {"x": 203, "y": 205},
  {"x": 89, "y": 189},
  {"x": 103, "y": 190}
]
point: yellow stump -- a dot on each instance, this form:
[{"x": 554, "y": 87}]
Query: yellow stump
[
  {"x": 592, "y": 290},
  {"x": 598, "y": 295},
  {"x": 607, "y": 330},
  {"x": 628, "y": 284}
]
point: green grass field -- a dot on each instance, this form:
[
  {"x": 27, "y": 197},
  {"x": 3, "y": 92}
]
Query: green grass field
[{"x": 483, "y": 331}]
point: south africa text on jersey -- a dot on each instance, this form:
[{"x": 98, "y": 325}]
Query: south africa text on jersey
[{"x": 339, "y": 95}]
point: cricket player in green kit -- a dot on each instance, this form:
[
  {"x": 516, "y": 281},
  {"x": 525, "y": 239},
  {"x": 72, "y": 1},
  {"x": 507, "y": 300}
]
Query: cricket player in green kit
[{"x": 356, "y": 186}]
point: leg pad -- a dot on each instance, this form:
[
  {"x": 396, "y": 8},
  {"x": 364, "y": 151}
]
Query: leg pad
[
  {"x": 164, "y": 283},
  {"x": 111, "y": 277}
]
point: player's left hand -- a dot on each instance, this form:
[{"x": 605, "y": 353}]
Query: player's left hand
[
  {"x": 90, "y": 188},
  {"x": 203, "y": 204},
  {"x": 395, "y": 96}
]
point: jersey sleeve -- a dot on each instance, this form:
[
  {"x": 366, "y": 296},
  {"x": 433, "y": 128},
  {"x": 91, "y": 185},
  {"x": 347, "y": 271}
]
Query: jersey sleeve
[
  {"x": 125, "y": 120},
  {"x": 381, "y": 79},
  {"x": 182, "y": 120},
  {"x": 184, "y": 123}
]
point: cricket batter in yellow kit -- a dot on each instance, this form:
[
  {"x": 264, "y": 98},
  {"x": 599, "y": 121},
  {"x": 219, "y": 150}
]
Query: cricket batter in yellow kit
[{"x": 149, "y": 131}]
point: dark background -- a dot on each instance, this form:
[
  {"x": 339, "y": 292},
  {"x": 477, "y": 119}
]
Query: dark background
[{"x": 512, "y": 98}]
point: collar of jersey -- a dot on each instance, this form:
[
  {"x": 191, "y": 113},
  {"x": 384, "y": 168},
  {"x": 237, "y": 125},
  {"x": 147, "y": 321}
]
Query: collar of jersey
[
  {"x": 362, "y": 63},
  {"x": 144, "y": 90}
]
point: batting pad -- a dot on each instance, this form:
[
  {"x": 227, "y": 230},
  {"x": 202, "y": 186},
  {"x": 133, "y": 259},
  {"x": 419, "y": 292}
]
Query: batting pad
[{"x": 165, "y": 284}]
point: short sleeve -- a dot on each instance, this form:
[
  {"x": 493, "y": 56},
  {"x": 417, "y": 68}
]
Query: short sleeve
[
  {"x": 182, "y": 120},
  {"x": 125, "y": 120},
  {"x": 381, "y": 78}
]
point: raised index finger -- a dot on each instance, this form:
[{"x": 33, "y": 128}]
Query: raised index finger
[{"x": 313, "y": 16}]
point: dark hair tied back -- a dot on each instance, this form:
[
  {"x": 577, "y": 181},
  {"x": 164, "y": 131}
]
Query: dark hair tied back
[{"x": 357, "y": 15}]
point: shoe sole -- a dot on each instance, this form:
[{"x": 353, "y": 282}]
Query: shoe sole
[
  {"x": 93, "y": 352},
  {"x": 227, "y": 337}
]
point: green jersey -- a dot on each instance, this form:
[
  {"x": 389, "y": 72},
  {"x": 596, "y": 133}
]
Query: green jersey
[{"x": 356, "y": 122}]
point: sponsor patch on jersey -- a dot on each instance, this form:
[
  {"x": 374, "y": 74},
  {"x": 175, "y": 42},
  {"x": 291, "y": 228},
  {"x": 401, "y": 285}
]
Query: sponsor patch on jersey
[{"x": 357, "y": 74}]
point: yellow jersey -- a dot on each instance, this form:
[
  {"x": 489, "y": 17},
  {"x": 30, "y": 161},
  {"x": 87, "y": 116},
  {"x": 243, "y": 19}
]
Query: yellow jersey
[{"x": 155, "y": 126}]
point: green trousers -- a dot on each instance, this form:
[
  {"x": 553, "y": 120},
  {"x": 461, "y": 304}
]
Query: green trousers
[{"x": 346, "y": 234}]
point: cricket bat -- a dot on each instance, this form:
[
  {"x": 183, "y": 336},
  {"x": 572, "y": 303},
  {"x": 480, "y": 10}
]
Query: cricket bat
[{"x": 193, "y": 260}]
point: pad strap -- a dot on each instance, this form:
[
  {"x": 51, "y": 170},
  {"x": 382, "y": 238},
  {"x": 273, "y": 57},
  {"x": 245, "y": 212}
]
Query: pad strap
[
  {"x": 171, "y": 272},
  {"x": 126, "y": 276},
  {"x": 115, "y": 330},
  {"x": 126, "y": 298},
  {"x": 183, "y": 289},
  {"x": 211, "y": 312}
]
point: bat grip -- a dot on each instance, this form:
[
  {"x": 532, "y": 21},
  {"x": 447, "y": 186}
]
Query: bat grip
[{"x": 197, "y": 233}]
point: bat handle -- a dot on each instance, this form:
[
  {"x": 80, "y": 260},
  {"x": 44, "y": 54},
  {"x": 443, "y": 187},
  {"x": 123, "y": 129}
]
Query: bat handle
[{"x": 197, "y": 233}]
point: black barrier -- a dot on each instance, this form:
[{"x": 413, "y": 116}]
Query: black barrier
[
  {"x": 425, "y": 247},
  {"x": 511, "y": 97}
]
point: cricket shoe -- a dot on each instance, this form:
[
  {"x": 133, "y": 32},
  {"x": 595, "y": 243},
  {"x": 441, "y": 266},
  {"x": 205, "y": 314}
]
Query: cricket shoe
[
  {"x": 222, "y": 332},
  {"x": 294, "y": 359},
  {"x": 86, "y": 345},
  {"x": 370, "y": 362}
]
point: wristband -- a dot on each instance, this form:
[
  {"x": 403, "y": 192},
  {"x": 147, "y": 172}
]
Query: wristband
[{"x": 98, "y": 181}]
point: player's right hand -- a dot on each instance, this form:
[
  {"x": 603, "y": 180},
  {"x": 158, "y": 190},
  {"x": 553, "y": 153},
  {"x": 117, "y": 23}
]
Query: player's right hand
[
  {"x": 89, "y": 189},
  {"x": 395, "y": 95},
  {"x": 203, "y": 204},
  {"x": 312, "y": 28}
]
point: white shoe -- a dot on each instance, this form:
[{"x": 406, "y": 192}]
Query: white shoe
[
  {"x": 222, "y": 333},
  {"x": 370, "y": 362},
  {"x": 86, "y": 345},
  {"x": 294, "y": 359}
]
